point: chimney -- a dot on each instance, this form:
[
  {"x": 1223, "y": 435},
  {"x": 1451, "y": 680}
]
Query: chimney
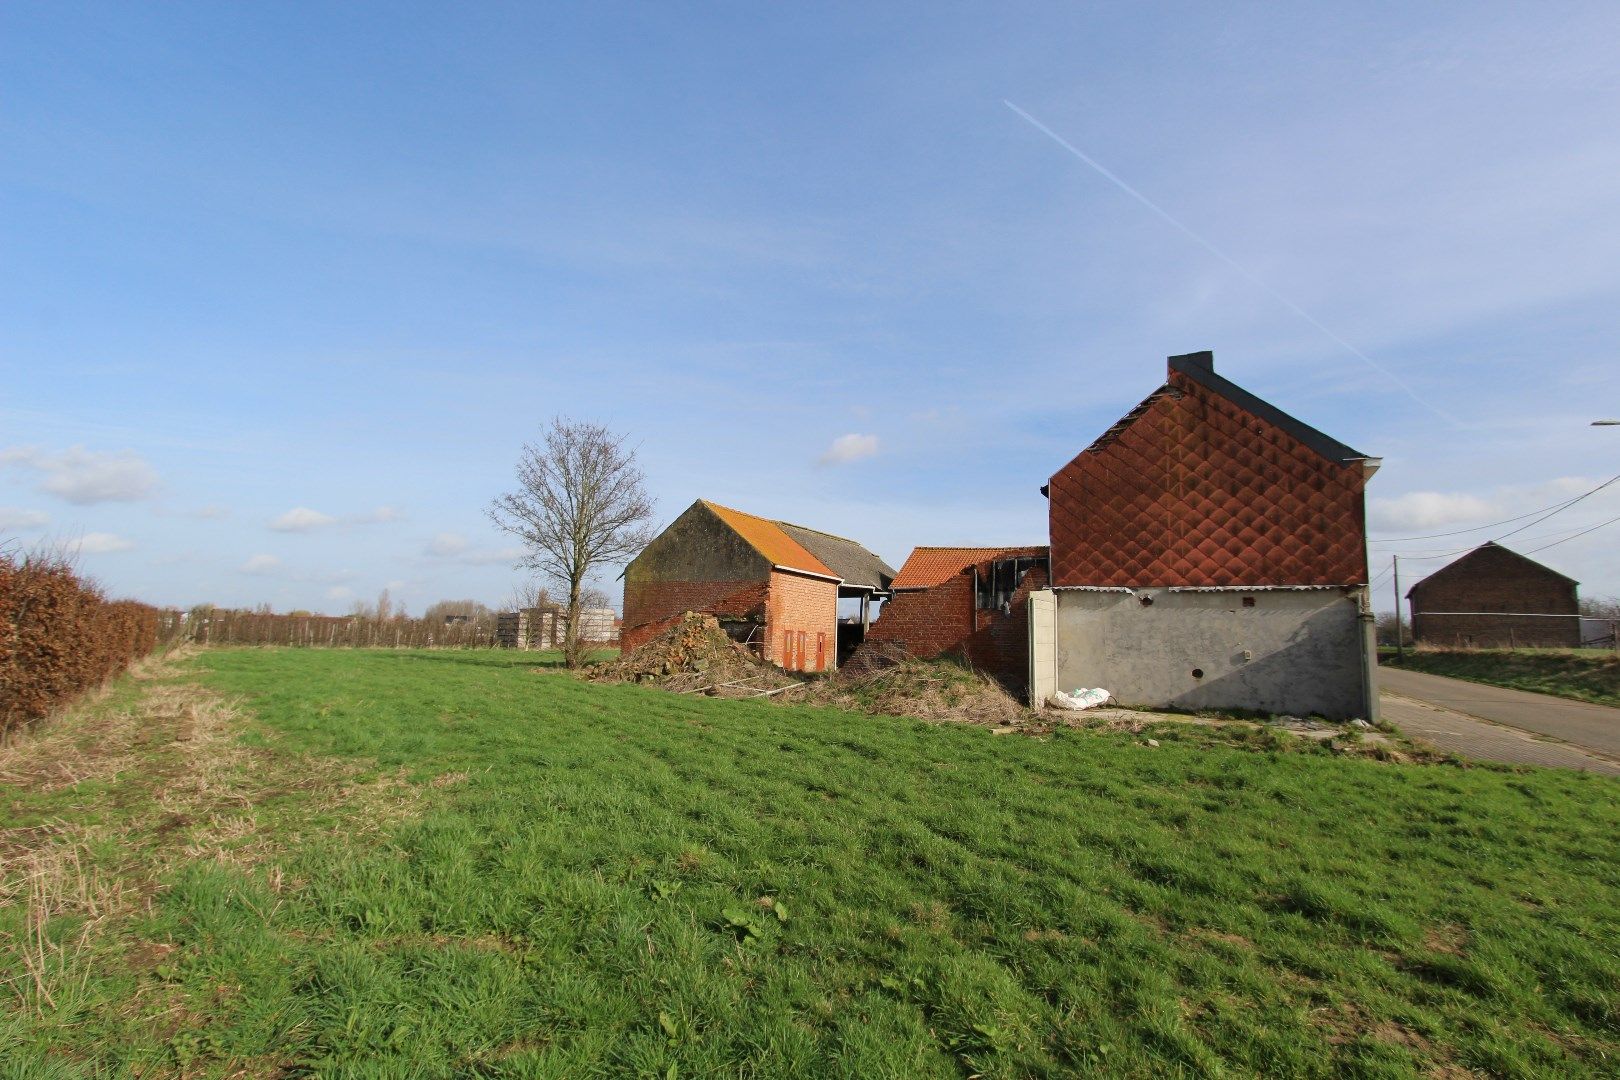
[{"x": 1203, "y": 361}]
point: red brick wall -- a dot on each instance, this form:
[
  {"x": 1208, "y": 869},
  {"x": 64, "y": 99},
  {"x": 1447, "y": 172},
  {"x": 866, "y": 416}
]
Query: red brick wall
[
  {"x": 651, "y": 606},
  {"x": 1000, "y": 643},
  {"x": 1193, "y": 490},
  {"x": 801, "y": 605},
  {"x": 933, "y": 622},
  {"x": 928, "y": 622}
]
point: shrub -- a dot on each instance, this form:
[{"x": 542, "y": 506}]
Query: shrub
[{"x": 60, "y": 636}]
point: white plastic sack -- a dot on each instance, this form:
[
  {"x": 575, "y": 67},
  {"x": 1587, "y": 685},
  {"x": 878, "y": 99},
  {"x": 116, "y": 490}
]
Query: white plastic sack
[{"x": 1081, "y": 699}]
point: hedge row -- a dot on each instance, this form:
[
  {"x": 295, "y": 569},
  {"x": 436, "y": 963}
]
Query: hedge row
[
  {"x": 60, "y": 636},
  {"x": 225, "y": 626}
]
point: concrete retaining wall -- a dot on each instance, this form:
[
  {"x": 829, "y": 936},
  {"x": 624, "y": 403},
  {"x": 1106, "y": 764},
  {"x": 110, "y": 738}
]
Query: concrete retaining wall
[{"x": 1283, "y": 652}]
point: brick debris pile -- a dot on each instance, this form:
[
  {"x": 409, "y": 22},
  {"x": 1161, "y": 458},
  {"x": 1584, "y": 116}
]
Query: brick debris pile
[
  {"x": 885, "y": 681},
  {"x": 695, "y": 656}
]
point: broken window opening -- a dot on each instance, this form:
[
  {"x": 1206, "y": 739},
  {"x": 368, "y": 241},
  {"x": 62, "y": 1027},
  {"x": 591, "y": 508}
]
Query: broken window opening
[{"x": 994, "y": 588}]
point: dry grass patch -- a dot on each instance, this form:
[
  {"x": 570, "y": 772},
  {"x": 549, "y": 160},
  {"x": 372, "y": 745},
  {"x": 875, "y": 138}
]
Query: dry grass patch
[{"x": 157, "y": 776}]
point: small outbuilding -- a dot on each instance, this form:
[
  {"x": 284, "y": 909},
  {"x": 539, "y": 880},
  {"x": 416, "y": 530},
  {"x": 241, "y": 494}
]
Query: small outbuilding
[
  {"x": 773, "y": 585},
  {"x": 971, "y": 602},
  {"x": 1208, "y": 551},
  {"x": 1496, "y": 598}
]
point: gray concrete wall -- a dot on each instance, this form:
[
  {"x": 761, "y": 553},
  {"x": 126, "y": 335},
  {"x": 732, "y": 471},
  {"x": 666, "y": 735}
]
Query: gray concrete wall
[{"x": 1293, "y": 653}]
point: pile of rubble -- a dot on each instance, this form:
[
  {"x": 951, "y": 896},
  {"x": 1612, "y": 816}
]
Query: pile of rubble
[
  {"x": 696, "y": 656},
  {"x": 892, "y": 683}
]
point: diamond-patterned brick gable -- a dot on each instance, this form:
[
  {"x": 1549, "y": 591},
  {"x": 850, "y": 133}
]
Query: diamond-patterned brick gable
[{"x": 1191, "y": 489}]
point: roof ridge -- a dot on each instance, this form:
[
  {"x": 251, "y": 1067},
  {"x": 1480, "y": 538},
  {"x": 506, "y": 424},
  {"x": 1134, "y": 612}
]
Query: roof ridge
[
  {"x": 1199, "y": 367},
  {"x": 824, "y": 532},
  {"x": 974, "y": 547}
]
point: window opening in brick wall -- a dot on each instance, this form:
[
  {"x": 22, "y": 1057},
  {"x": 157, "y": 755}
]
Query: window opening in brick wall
[{"x": 994, "y": 588}]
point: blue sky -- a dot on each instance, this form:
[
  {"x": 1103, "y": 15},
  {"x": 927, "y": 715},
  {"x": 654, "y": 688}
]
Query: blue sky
[{"x": 283, "y": 289}]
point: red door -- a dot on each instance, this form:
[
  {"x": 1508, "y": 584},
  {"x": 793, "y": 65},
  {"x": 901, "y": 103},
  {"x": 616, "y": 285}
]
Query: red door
[{"x": 821, "y": 652}]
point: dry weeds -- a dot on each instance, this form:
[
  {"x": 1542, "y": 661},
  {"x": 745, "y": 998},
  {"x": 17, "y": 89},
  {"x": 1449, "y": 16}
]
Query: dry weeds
[{"x": 189, "y": 791}]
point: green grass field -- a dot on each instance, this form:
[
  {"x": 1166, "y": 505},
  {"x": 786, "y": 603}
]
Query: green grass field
[
  {"x": 450, "y": 864},
  {"x": 1586, "y": 675}
]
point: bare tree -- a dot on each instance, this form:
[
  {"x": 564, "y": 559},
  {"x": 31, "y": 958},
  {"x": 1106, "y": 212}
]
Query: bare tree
[
  {"x": 580, "y": 504},
  {"x": 462, "y": 610},
  {"x": 1597, "y": 607},
  {"x": 527, "y": 594}
]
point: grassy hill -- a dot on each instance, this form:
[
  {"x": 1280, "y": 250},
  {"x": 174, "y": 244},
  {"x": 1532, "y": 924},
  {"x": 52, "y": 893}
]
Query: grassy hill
[
  {"x": 374, "y": 863},
  {"x": 1588, "y": 675}
]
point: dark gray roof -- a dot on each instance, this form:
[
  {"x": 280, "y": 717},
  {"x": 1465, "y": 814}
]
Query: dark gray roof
[
  {"x": 1486, "y": 550},
  {"x": 1200, "y": 367},
  {"x": 846, "y": 558}
]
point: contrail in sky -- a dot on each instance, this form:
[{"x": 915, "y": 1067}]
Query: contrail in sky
[{"x": 1229, "y": 261}]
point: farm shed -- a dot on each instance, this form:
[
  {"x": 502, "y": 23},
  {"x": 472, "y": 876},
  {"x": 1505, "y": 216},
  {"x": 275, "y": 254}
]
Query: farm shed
[
  {"x": 966, "y": 601},
  {"x": 1208, "y": 551},
  {"x": 772, "y": 584},
  {"x": 1494, "y": 597}
]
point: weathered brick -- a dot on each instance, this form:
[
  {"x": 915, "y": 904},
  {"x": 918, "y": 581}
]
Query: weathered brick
[
  {"x": 1492, "y": 579},
  {"x": 801, "y": 620}
]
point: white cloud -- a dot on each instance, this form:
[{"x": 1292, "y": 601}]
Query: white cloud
[
  {"x": 261, "y": 564},
  {"x": 848, "y": 448},
  {"x": 1428, "y": 510},
  {"x": 98, "y": 543},
  {"x": 507, "y": 555},
  {"x": 340, "y": 592},
  {"x": 85, "y": 476},
  {"x": 302, "y": 519},
  {"x": 213, "y": 513},
  {"x": 446, "y": 545},
  {"x": 22, "y": 520}
]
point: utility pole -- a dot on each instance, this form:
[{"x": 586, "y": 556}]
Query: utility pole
[{"x": 1400, "y": 635}]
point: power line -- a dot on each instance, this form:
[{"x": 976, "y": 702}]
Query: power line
[
  {"x": 1543, "y": 516},
  {"x": 1567, "y": 539},
  {"x": 1560, "y": 510},
  {"x": 1460, "y": 532}
]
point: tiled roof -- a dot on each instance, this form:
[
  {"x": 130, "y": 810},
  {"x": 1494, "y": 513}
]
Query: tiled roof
[
  {"x": 926, "y": 567},
  {"x": 848, "y": 560},
  {"x": 1203, "y": 484},
  {"x": 768, "y": 538}
]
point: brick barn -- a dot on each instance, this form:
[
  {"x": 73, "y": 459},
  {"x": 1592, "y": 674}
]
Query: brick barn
[
  {"x": 772, "y": 584},
  {"x": 1494, "y": 597},
  {"x": 971, "y": 602},
  {"x": 1209, "y": 551}
]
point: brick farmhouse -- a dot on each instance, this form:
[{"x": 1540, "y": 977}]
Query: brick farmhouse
[
  {"x": 971, "y": 602},
  {"x": 772, "y": 584},
  {"x": 1209, "y": 551},
  {"x": 1496, "y": 597}
]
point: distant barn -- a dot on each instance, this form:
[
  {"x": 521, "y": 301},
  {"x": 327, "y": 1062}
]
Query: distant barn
[
  {"x": 1496, "y": 598},
  {"x": 772, "y": 585}
]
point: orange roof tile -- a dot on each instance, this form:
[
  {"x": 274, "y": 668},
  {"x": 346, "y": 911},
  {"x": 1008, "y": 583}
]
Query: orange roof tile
[
  {"x": 767, "y": 538},
  {"x": 926, "y": 567}
]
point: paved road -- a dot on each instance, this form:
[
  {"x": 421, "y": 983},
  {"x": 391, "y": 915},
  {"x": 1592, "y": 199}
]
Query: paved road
[{"x": 1502, "y": 725}]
